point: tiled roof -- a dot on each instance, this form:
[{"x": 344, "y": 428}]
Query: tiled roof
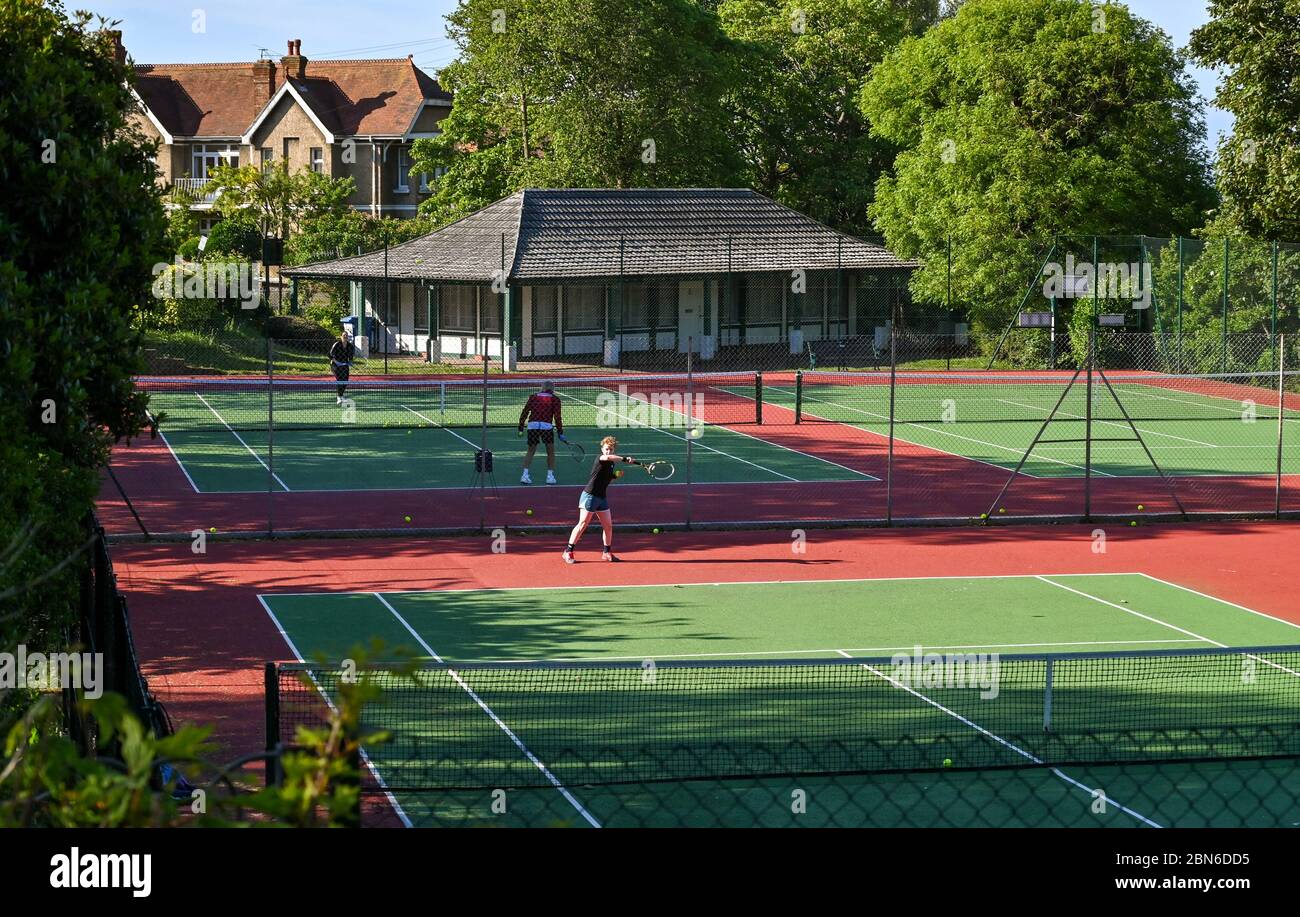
[
  {"x": 350, "y": 97},
  {"x": 557, "y": 234}
]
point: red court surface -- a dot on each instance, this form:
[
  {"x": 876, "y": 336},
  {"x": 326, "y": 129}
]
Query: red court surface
[{"x": 203, "y": 636}]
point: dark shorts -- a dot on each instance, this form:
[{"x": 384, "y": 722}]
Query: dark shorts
[
  {"x": 541, "y": 436},
  {"x": 341, "y": 373},
  {"x": 591, "y": 503}
]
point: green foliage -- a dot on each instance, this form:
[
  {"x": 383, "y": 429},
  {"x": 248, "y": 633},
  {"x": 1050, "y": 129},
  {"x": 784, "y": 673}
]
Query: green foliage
[
  {"x": 80, "y": 228},
  {"x": 804, "y": 138},
  {"x": 277, "y": 199},
  {"x": 182, "y": 230},
  {"x": 1256, "y": 44},
  {"x": 235, "y": 235},
  {"x": 612, "y": 93},
  {"x": 1022, "y": 119},
  {"x": 340, "y": 235}
]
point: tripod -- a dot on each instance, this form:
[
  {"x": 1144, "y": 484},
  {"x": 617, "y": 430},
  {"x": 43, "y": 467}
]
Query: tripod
[{"x": 483, "y": 475}]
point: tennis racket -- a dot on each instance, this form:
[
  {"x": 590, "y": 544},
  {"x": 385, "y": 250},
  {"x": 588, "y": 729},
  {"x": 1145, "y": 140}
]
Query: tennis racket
[
  {"x": 660, "y": 471},
  {"x": 575, "y": 450}
]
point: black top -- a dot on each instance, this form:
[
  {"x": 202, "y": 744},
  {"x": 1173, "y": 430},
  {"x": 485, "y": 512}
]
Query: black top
[
  {"x": 602, "y": 472},
  {"x": 342, "y": 353}
]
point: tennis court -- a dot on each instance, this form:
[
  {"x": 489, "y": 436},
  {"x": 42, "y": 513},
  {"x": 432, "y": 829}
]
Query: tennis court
[
  {"x": 710, "y": 703},
  {"x": 235, "y": 436},
  {"x": 1192, "y": 425}
]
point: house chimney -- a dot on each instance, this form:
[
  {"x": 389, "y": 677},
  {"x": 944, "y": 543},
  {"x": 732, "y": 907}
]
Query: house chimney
[
  {"x": 295, "y": 65},
  {"x": 263, "y": 83},
  {"x": 119, "y": 50}
]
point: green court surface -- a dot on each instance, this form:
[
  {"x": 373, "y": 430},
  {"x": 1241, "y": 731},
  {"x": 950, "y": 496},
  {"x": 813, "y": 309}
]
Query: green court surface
[
  {"x": 400, "y": 436},
  {"x": 753, "y": 683},
  {"x": 1191, "y": 425}
]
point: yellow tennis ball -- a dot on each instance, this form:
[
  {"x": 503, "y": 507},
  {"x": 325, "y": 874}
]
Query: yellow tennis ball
[
  {"x": 618, "y": 474},
  {"x": 984, "y": 515},
  {"x": 213, "y": 529},
  {"x": 407, "y": 518},
  {"x": 528, "y": 512},
  {"x": 1134, "y": 522},
  {"x": 1002, "y": 509},
  {"x": 656, "y": 531},
  {"x": 947, "y": 762},
  {"x": 1141, "y": 507}
]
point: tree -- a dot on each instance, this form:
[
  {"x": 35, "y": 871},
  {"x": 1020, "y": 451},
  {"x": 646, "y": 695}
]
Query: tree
[
  {"x": 802, "y": 133},
  {"x": 1256, "y": 46},
  {"x": 609, "y": 93},
  {"x": 1022, "y": 119},
  {"x": 81, "y": 227},
  {"x": 276, "y": 199}
]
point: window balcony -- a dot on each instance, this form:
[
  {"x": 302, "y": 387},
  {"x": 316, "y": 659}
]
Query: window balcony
[{"x": 202, "y": 190}]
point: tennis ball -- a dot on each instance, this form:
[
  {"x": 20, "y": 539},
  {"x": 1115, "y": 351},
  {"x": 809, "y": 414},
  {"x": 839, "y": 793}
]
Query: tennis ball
[
  {"x": 1141, "y": 507},
  {"x": 1002, "y": 509},
  {"x": 947, "y": 762},
  {"x": 528, "y": 512},
  {"x": 984, "y": 515},
  {"x": 213, "y": 529},
  {"x": 407, "y": 518},
  {"x": 656, "y": 531},
  {"x": 1134, "y": 522},
  {"x": 618, "y": 474}
]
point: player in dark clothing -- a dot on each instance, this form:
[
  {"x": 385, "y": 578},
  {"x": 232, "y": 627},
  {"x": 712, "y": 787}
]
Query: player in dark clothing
[
  {"x": 542, "y": 415},
  {"x": 341, "y": 356},
  {"x": 593, "y": 501}
]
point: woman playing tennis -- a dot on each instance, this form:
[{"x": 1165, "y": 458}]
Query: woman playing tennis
[{"x": 594, "y": 503}]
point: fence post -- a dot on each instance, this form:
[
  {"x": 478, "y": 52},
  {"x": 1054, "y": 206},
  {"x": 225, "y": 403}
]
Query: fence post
[
  {"x": 1281, "y": 423},
  {"x": 1277, "y": 351},
  {"x": 1223, "y": 359},
  {"x": 1087, "y": 426},
  {"x": 889, "y": 461},
  {"x": 270, "y": 437},
  {"x": 1178, "y": 316},
  {"x": 690, "y": 420}
]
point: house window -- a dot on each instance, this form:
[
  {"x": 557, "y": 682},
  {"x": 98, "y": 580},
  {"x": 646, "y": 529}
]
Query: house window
[
  {"x": 584, "y": 308},
  {"x": 762, "y": 301},
  {"x": 267, "y": 156},
  {"x": 490, "y": 313},
  {"x": 438, "y": 173},
  {"x": 318, "y": 160},
  {"x": 206, "y": 157},
  {"x": 403, "y": 170},
  {"x": 636, "y": 306},
  {"x": 544, "y": 312},
  {"x": 457, "y": 311}
]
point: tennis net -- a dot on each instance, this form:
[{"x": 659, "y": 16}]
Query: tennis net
[
  {"x": 245, "y": 405},
  {"x": 590, "y": 723},
  {"x": 864, "y": 398}
]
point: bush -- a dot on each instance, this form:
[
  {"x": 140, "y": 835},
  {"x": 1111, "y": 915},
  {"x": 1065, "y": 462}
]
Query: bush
[
  {"x": 233, "y": 236},
  {"x": 189, "y": 250}
]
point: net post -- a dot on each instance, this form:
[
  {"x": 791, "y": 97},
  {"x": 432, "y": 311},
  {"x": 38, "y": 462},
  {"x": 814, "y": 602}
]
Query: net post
[
  {"x": 758, "y": 397},
  {"x": 1280, "y": 342},
  {"x": 271, "y": 683},
  {"x": 798, "y": 396},
  {"x": 1047, "y": 694}
]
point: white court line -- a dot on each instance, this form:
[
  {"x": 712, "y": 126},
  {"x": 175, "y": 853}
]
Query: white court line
[
  {"x": 683, "y": 439},
  {"x": 769, "y": 582},
  {"x": 474, "y": 446},
  {"x": 1091, "y": 791},
  {"x": 397, "y": 806},
  {"x": 855, "y": 650},
  {"x": 184, "y": 471},
  {"x": 1213, "y": 598},
  {"x": 884, "y": 418},
  {"x": 546, "y": 772},
  {"x": 768, "y": 442},
  {"x": 1173, "y": 627},
  {"x": 1110, "y": 423},
  {"x": 241, "y": 441}
]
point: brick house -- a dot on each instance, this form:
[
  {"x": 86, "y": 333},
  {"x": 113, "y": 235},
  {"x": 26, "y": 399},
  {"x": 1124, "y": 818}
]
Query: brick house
[{"x": 354, "y": 118}]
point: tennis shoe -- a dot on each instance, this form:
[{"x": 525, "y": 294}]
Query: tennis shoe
[
  {"x": 612, "y": 558},
  {"x": 525, "y": 478},
  {"x": 550, "y": 477},
  {"x": 568, "y": 557}
]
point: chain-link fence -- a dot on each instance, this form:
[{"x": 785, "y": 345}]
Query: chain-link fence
[
  {"x": 1140, "y": 739},
  {"x": 865, "y": 437}
]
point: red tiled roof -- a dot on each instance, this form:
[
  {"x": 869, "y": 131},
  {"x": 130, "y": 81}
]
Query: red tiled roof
[{"x": 349, "y": 97}]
